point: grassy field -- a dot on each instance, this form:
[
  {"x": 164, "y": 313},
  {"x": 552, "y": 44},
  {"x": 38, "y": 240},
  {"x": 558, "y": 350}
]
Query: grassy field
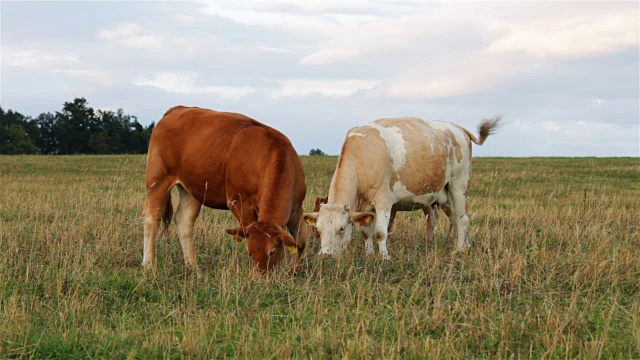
[{"x": 553, "y": 272}]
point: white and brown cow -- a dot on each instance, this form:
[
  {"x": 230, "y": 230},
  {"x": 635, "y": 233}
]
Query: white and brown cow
[
  {"x": 430, "y": 215},
  {"x": 398, "y": 164}
]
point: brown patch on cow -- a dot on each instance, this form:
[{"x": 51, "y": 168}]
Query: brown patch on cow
[
  {"x": 341, "y": 160},
  {"x": 426, "y": 157},
  {"x": 344, "y": 189}
]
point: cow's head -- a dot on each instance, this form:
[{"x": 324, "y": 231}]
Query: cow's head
[
  {"x": 334, "y": 223},
  {"x": 266, "y": 243}
]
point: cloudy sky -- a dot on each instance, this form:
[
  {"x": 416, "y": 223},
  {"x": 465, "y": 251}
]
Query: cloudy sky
[{"x": 564, "y": 75}]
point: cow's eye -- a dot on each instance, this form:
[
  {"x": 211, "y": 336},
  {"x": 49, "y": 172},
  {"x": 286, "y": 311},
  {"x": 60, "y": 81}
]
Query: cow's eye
[{"x": 342, "y": 230}]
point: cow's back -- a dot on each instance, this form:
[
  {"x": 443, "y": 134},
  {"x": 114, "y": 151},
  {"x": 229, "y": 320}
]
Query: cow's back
[
  {"x": 409, "y": 156},
  {"x": 190, "y": 146},
  {"x": 432, "y": 153}
]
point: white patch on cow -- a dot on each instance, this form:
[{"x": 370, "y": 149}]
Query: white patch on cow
[
  {"x": 405, "y": 200},
  {"x": 401, "y": 191},
  {"x": 395, "y": 144},
  {"x": 355, "y": 133},
  {"x": 439, "y": 125},
  {"x": 460, "y": 137}
]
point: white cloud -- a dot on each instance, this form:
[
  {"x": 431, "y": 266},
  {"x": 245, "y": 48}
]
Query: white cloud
[
  {"x": 551, "y": 126},
  {"x": 436, "y": 87},
  {"x": 131, "y": 35},
  {"x": 34, "y": 59},
  {"x": 308, "y": 19},
  {"x": 101, "y": 76},
  {"x": 258, "y": 14},
  {"x": 275, "y": 49},
  {"x": 185, "y": 83},
  {"x": 333, "y": 88},
  {"x": 54, "y": 62},
  {"x": 488, "y": 45},
  {"x": 586, "y": 130},
  {"x": 570, "y": 35},
  {"x": 454, "y": 78},
  {"x": 331, "y": 56}
]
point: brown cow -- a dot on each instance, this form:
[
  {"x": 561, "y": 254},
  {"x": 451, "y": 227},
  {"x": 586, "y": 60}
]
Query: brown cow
[{"x": 225, "y": 161}]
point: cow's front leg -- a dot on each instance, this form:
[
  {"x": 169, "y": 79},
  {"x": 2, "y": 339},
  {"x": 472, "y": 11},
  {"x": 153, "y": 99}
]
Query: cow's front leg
[
  {"x": 383, "y": 216},
  {"x": 299, "y": 233}
]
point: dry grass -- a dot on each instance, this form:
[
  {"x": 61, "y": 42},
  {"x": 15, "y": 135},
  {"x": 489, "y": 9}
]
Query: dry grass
[{"x": 553, "y": 272}]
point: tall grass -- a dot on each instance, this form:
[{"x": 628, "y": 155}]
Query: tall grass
[{"x": 553, "y": 272}]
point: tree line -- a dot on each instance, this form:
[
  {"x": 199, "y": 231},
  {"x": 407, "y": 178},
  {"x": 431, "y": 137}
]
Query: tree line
[{"x": 77, "y": 129}]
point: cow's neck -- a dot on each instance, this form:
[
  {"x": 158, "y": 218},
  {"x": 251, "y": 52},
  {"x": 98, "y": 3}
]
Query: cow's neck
[
  {"x": 344, "y": 184},
  {"x": 277, "y": 191}
]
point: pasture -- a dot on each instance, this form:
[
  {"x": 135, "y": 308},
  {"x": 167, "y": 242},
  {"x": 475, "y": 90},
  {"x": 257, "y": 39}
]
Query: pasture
[{"x": 552, "y": 272}]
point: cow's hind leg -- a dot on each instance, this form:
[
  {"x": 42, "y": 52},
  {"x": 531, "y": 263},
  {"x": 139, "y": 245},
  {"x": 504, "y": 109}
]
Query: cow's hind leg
[
  {"x": 186, "y": 214},
  {"x": 461, "y": 220},
  {"x": 157, "y": 208},
  {"x": 448, "y": 210},
  {"x": 431, "y": 218}
]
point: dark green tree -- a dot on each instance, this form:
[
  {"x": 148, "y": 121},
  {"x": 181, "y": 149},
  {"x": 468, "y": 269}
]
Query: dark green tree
[
  {"x": 77, "y": 129},
  {"x": 316, "y": 152},
  {"x": 74, "y": 127},
  {"x": 13, "y": 134},
  {"x": 42, "y": 130}
]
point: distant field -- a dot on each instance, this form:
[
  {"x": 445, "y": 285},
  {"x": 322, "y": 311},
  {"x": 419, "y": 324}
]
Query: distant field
[{"x": 553, "y": 271}]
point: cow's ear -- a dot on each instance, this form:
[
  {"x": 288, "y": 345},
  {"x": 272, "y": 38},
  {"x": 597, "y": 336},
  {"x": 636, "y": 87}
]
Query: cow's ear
[
  {"x": 310, "y": 218},
  {"x": 362, "y": 218},
  {"x": 289, "y": 241},
  {"x": 238, "y": 234}
]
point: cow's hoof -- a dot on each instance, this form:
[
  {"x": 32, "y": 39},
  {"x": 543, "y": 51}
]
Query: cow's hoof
[
  {"x": 196, "y": 271},
  {"x": 149, "y": 272}
]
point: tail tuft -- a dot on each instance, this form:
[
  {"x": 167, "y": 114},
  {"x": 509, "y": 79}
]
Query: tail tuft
[
  {"x": 488, "y": 127},
  {"x": 167, "y": 217}
]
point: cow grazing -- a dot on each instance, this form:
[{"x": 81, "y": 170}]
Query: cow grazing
[
  {"x": 430, "y": 213},
  {"x": 399, "y": 164},
  {"x": 225, "y": 161}
]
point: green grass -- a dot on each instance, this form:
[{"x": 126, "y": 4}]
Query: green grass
[{"x": 553, "y": 272}]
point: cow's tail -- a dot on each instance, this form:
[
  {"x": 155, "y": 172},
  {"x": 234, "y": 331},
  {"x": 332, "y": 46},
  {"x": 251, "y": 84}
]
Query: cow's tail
[
  {"x": 167, "y": 216},
  {"x": 486, "y": 128}
]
